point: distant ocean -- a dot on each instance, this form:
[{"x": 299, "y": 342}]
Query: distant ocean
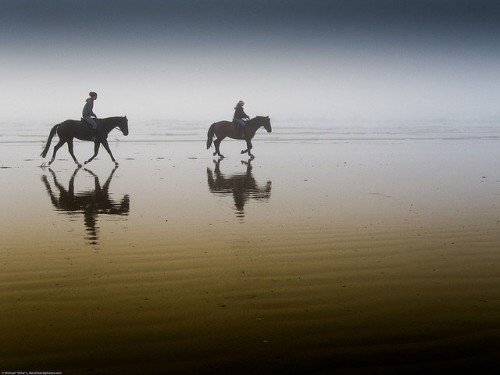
[{"x": 283, "y": 130}]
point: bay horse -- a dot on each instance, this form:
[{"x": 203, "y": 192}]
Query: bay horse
[
  {"x": 223, "y": 129},
  {"x": 69, "y": 129}
]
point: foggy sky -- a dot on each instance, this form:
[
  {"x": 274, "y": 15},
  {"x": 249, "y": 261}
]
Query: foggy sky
[{"x": 195, "y": 59}]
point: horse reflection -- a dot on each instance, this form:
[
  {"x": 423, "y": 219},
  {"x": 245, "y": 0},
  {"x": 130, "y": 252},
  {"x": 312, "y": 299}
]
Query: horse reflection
[
  {"x": 91, "y": 203},
  {"x": 241, "y": 186}
]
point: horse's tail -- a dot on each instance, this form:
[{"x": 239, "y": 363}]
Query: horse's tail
[
  {"x": 47, "y": 145},
  {"x": 210, "y": 135}
]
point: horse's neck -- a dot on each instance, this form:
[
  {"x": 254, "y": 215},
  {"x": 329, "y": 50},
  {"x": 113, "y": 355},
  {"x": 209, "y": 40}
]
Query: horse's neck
[
  {"x": 254, "y": 124},
  {"x": 107, "y": 124}
]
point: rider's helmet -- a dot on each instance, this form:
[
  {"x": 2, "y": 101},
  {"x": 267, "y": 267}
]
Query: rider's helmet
[
  {"x": 92, "y": 94},
  {"x": 241, "y": 102}
]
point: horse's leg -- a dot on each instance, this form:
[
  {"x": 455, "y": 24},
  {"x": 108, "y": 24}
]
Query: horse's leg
[
  {"x": 70, "y": 149},
  {"x": 106, "y": 146},
  {"x": 249, "y": 147},
  {"x": 97, "y": 144},
  {"x": 56, "y": 147},
  {"x": 217, "y": 144}
]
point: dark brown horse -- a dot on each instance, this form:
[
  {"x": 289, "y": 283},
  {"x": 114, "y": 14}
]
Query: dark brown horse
[
  {"x": 70, "y": 129},
  {"x": 223, "y": 129}
]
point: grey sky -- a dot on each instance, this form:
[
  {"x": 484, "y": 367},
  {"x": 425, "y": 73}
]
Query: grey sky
[{"x": 195, "y": 59}]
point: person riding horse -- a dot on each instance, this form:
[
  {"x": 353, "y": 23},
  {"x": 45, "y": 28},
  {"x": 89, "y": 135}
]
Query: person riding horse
[
  {"x": 240, "y": 116},
  {"x": 88, "y": 114}
]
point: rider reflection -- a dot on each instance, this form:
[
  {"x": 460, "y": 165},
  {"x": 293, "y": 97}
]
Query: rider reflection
[
  {"x": 91, "y": 203},
  {"x": 242, "y": 186}
]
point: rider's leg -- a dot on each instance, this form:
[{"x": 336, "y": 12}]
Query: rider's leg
[
  {"x": 241, "y": 127},
  {"x": 93, "y": 126}
]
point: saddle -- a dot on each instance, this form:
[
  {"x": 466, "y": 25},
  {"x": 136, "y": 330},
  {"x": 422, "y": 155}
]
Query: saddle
[
  {"x": 238, "y": 124},
  {"x": 240, "y": 129},
  {"x": 86, "y": 124},
  {"x": 87, "y": 128}
]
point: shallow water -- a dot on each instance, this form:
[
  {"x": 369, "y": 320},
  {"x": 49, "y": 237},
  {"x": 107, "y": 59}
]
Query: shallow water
[{"x": 373, "y": 249}]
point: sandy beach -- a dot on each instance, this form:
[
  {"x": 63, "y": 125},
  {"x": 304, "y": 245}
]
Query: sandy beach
[
  {"x": 363, "y": 238},
  {"x": 337, "y": 252}
]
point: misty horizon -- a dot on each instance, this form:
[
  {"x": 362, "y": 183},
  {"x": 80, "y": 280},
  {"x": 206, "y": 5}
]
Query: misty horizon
[{"x": 379, "y": 60}]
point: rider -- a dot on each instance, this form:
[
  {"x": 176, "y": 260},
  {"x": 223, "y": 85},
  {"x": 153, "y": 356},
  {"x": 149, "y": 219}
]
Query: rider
[
  {"x": 240, "y": 116},
  {"x": 88, "y": 114}
]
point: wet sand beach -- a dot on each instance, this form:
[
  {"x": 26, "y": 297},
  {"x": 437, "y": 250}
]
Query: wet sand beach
[{"x": 336, "y": 251}]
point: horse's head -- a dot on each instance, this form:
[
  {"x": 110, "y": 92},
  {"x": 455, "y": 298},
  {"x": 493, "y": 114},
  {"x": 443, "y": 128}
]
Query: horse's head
[
  {"x": 265, "y": 121},
  {"x": 123, "y": 125}
]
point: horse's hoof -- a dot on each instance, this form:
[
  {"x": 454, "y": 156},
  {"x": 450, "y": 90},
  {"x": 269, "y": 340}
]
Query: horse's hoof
[
  {"x": 243, "y": 151},
  {"x": 116, "y": 164},
  {"x": 85, "y": 162},
  {"x": 79, "y": 165},
  {"x": 215, "y": 153},
  {"x": 252, "y": 157}
]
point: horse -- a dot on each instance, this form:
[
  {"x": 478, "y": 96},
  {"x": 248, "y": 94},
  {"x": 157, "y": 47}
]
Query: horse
[
  {"x": 69, "y": 129},
  {"x": 223, "y": 129}
]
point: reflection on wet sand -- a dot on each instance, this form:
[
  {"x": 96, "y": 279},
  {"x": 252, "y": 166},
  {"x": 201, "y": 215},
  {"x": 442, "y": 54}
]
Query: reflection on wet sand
[
  {"x": 242, "y": 186},
  {"x": 90, "y": 203},
  {"x": 329, "y": 276}
]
